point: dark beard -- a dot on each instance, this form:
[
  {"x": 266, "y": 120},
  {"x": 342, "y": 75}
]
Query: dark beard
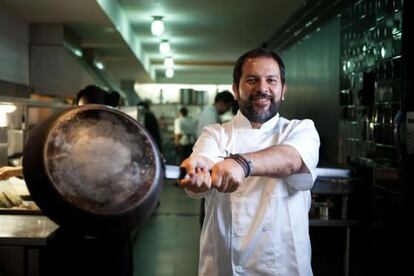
[{"x": 246, "y": 108}]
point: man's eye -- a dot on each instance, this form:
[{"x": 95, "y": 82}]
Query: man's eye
[
  {"x": 250, "y": 80},
  {"x": 273, "y": 81}
]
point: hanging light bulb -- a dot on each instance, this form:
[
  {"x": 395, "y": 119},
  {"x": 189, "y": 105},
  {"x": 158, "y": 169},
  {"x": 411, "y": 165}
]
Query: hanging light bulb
[
  {"x": 165, "y": 47},
  {"x": 99, "y": 65},
  {"x": 169, "y": 62},
  {"x": 157, "y": 26},
  {"x": 78, "y": 52},
  {"x": 169, "y": 73}
]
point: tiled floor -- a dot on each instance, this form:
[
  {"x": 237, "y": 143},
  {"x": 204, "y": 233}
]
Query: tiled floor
[{"x": 167, "y": 244}]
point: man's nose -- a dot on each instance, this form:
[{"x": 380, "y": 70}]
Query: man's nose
[{"x": 262, "y": 86}]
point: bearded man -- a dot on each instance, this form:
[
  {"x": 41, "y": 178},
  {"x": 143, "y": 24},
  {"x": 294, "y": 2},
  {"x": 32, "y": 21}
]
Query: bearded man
[{"x": 255, "y": 173}]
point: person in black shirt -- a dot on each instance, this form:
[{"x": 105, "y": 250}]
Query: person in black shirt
[{"x": 151, "y": 124}]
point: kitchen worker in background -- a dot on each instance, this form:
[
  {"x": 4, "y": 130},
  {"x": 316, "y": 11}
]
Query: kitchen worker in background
[
  {"x": 93, "y": 94},
  {"x": 262, "y": 167},
  {"x": 10, "y": 171},
  {"x": 184, "y": 133},
  {"x": 223, "y": 102},
  {"x": 151, "y": 124}
]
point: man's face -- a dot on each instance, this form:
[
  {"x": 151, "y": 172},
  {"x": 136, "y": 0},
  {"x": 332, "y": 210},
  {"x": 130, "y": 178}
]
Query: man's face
[
  {"x": 82, "y": 101},
  {"x": 260, "y": 89},
  {"x": 222, "y": 107}
]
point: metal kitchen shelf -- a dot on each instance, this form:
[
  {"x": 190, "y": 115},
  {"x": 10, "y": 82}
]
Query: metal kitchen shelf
[{"x": 32, "y": 103}]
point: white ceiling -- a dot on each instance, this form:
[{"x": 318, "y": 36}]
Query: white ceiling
[{"x": 206, "y": 37}]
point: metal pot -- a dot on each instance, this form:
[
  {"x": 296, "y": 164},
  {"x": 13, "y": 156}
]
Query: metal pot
[{"x": 93, "y": 169}]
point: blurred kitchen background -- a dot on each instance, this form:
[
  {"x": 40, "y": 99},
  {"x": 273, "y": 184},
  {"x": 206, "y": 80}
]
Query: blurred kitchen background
[{"x": 347, "y": 69}]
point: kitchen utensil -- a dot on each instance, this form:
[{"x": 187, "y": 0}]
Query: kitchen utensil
[{"x": 93, "y": 169}]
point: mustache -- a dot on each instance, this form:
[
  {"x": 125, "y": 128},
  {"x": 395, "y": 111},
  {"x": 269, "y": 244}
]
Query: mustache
[{"x": 259, "y": 96}]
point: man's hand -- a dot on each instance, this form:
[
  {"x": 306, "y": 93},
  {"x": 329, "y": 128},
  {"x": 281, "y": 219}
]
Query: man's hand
[
  {"x": 7, "y": 171},
  {"x": 198, "y": 170},
  {"x": 227, "y": 176}
]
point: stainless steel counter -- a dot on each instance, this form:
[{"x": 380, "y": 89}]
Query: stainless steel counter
[
  {"x": 22, "y": 239},
  {"x": 25, "y": 230}
]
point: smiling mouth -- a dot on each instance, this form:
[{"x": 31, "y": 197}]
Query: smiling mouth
[
  {"x": 261, "y": 97},
  {"x": 261, "y": 104},
  {"x": 261, "y": 101}
]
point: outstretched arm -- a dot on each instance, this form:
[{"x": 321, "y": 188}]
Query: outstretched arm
[
  {"x": 276, "y": 161},
  {"x": 9, "y": 171}
]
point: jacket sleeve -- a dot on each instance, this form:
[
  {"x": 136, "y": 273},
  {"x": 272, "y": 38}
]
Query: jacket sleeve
[
  {"x": 305, "y": 139},
  {"x": 208, "y": 146}
]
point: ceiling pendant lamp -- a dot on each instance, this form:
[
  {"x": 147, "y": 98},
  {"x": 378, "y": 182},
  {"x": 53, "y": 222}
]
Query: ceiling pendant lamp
[
  {"x": 169, "y": 62},
  {"x": 165, "y": 47},
  {"x": 169, "y": 73},
  {"x": 99, "y": 65},
  {"x": 157, "y": 26}
]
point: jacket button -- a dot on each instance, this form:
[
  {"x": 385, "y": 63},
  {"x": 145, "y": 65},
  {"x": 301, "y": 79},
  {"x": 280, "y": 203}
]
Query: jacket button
[
  {"x": 267, "y": 227},
  {"x": 238, "y": 231}
]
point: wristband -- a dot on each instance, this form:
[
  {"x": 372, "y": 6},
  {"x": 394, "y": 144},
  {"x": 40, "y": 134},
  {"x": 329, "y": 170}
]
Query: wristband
[{"x": 243, "y": 162}]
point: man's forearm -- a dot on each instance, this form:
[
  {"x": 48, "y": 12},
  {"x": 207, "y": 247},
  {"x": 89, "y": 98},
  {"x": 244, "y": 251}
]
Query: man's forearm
[{"x": 276, "y": 161}]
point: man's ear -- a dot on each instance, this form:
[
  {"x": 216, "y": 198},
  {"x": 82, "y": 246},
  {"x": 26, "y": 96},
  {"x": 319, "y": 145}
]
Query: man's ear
[
  {"x": 236, "y": 91},
  {"x": 284, "y": 89}
]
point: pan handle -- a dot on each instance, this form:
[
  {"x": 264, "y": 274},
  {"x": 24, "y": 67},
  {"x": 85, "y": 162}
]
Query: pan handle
[{"x": 175, "y": 172}]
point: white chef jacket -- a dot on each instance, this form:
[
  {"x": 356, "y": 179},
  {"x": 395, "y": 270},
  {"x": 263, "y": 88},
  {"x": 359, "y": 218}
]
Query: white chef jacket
[{"x": 262, "y": 228}]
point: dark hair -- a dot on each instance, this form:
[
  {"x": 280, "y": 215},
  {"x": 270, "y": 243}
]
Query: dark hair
[
  {"x": 113, "y": 99},
  {"x": 224, "y": 96},
  {"x": 145, "y": 105},
  {"x": 92, "y": 94},
  {"x": 184, "y": 111},
  {"x": 257, "y": 52},
  {"x": 235, "y": 107}
]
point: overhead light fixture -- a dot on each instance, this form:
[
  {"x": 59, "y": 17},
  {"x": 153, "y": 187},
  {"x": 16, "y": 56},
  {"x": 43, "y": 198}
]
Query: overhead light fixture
[
  {"x": 169, "y": 73},
  {"x": 78, "y": 52},
  {"x": 169, "y": 62},
  {"x": 165, "y": 47},
  {"x": 99, "y": 65},
  {"x": 157, "y": 26}
]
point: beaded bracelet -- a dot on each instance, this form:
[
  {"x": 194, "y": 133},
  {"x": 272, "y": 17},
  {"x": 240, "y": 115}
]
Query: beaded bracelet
[{"x": 243, "y": 162}]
